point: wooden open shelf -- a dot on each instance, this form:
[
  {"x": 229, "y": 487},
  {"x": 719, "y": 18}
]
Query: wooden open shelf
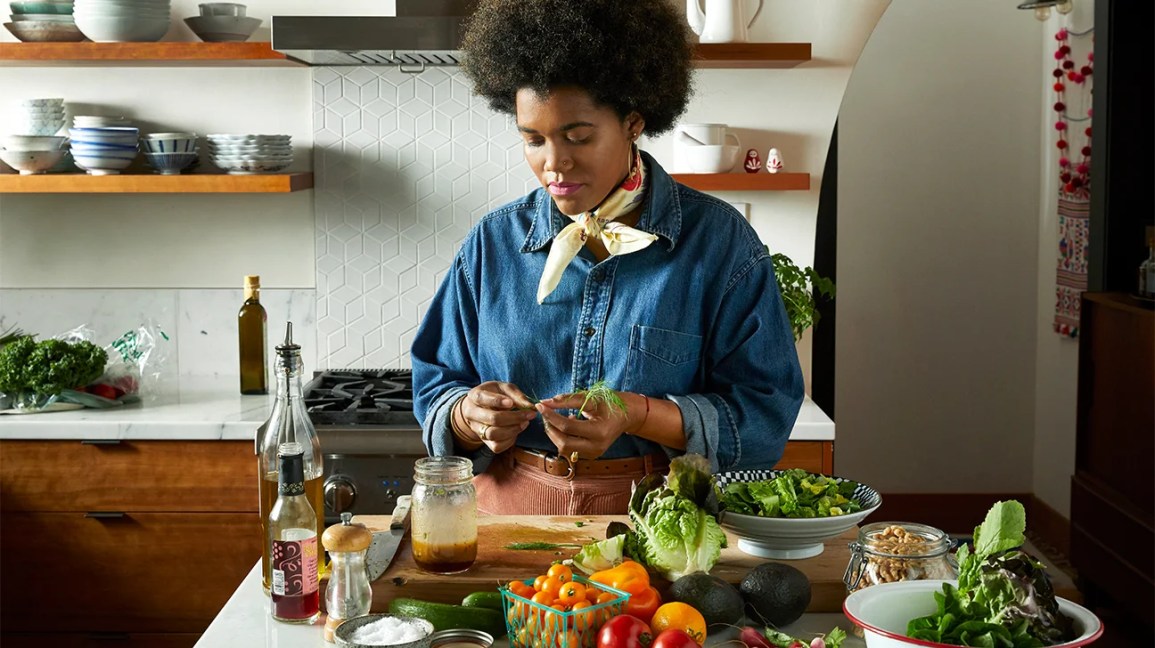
[
  {"x": 751, "y": 55},
  {"x": 142, "y": 54},
  {"x": 742, "y": 181},
  {"x": 153, "y": 183}
]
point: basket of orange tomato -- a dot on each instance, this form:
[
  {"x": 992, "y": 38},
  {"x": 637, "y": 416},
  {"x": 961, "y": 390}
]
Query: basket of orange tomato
[{"x": 560, "y": 610}]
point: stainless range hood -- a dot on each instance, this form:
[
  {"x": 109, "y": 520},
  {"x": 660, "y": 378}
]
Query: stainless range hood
[{"x": 424, "y": 33}]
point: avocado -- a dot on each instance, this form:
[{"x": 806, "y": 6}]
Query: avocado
[
  {"x": 717, "y": 600},
  {"x": 776, "y": 594}
]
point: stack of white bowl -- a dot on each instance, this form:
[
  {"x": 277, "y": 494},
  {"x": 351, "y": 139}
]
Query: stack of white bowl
[
  {"x": 104, "y": 150},
  {"x": 43, "y": 21},
  {"x": 123, "y": 21},
  {"x": 32, "y": 145},
  {"x": 248, "y": 154},
  {"x": 170, "y": 153}
]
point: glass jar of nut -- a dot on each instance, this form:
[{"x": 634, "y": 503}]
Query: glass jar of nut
[{"x": 886, "y": 552}]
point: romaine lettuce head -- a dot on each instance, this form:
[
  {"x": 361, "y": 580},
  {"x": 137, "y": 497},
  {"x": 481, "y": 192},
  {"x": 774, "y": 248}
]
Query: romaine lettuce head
[
  {"x": 596, "y": 556},
  {"x": 675, "y": 536}
]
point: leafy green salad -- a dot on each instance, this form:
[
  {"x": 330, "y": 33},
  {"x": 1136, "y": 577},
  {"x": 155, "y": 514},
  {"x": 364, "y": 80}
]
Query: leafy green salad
[
  {"x": 794, "y": 493},
  {"x": 1003, "y": 599}
]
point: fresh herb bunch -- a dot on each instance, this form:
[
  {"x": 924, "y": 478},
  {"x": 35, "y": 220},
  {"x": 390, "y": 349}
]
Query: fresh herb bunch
[
  {"x": 600, "y": 393},
  {"x": 11, "y": 335},
  {"x": 798, "y": 287},
  {"x": 35, "y": 372}
]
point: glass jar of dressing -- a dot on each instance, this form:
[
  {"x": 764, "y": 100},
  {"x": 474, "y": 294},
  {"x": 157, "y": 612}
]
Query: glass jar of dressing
[
  {"x": 886, "y": 552},
  {"x": 444, "y": 524}
]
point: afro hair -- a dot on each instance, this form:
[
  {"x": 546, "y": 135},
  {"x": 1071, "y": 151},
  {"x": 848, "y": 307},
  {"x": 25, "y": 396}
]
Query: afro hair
[{"x": 629, "y": 55}]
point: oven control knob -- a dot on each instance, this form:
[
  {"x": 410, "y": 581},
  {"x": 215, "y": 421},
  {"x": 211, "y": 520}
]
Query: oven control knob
[
  {"x": 390, "y": 494},
  {"x": 339, "y": 493}
]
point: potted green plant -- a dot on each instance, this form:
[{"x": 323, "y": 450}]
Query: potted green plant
[{"x": 798, "y": 287}]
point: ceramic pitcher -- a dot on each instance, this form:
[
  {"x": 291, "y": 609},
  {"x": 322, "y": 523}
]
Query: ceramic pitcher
[{"x": 724, "y": 21}]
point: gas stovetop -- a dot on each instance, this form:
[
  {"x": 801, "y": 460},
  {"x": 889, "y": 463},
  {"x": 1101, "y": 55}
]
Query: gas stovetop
[{"x": 361, "y": 397}]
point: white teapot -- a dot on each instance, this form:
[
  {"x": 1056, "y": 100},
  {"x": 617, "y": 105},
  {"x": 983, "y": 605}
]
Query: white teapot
[{"x": 724, "y": 21}]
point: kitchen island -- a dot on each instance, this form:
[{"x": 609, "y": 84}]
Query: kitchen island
[{"x": 245, "y": 621}]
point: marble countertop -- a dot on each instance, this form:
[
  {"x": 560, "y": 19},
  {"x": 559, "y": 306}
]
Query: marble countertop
[
  {"x": 245, "y": 621},
  {"x": 208, "y": 409}
]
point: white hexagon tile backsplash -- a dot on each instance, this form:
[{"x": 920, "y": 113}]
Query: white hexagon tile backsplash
[{"x": 405, "y": 165}]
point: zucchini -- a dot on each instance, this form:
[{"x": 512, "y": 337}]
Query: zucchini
[
  {"x": 489, "y": 599},
  {"x": 447, "y": 617}
]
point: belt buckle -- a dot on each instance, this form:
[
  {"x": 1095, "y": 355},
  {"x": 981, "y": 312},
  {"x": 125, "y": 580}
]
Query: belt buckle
[{"x": 571, "y": 471}]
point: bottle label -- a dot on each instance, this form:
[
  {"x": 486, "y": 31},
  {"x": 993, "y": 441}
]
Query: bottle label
[{"x": 294, "y": 564}]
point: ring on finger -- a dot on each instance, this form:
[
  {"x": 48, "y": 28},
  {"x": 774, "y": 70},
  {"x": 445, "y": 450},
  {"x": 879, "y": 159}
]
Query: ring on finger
[{"x": 483, "y": 432}]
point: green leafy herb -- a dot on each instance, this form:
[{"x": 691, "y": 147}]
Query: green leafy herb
[
  {"x": 600, "y": 393},
  {"x": 36, "y": 372},
  {"x": 539, "y": 546},
  {"x": 11, "y": 335},
  {"x": 798, "y": 287},
  {"x": 779, "y": 639},
  {"x": 579, "y": 524}
]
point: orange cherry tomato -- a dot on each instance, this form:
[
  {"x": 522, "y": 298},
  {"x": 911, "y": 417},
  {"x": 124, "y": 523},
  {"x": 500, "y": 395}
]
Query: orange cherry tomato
[
  {"x": 538, "y": 582},
  {"x": 644, "y": 604},
  {"x": 592, "y": 593},
  {"x": 552, "y": 585},
  {"x": 543, "y": 597},
  {"x": 560, "y": 572},
  {"x": 606, "y": 597},
  {"x": 571, "y": 593}
]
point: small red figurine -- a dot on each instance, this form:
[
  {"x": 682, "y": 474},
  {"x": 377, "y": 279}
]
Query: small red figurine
[{"x": 753, "y": 162}]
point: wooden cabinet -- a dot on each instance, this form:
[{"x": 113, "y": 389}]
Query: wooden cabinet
[
  {"x": 1112, "y": 502},
  {"x": 106, "y": 542},
  {"x": 815, "y": 456}
]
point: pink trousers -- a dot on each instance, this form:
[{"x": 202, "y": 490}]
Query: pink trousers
[{"x": 511, "y": 488}]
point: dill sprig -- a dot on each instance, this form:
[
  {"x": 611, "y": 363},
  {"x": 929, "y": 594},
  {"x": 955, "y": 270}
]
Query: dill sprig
[
  {"x": 539, "y": 546},
  {"x": 601, "y": 393}
]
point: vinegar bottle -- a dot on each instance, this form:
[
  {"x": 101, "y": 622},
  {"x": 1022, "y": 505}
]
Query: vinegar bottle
[
  {"x": 288, "y": 423},
  {"x": 251, "y": 332},
  {"x": 292, "y": 540}
]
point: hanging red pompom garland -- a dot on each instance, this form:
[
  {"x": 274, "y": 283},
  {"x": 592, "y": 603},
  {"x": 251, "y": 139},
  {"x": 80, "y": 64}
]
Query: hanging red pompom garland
[{"x": 1075, "y": 177}]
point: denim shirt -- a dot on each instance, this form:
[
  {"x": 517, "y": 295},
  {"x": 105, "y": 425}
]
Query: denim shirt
[{"x": 694, "y": 318}]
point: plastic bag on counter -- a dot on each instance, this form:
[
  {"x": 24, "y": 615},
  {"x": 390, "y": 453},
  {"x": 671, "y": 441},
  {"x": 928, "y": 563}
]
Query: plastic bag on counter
[{"x": 137, "y": 362}]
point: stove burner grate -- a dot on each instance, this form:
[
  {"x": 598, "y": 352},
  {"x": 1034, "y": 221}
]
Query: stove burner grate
[{"x": 351, "y": 396}]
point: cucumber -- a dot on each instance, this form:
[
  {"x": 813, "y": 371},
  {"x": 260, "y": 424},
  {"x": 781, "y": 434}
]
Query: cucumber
[
  {"x": 446, "y": 617},
  {"x": 488, "y": 599}
]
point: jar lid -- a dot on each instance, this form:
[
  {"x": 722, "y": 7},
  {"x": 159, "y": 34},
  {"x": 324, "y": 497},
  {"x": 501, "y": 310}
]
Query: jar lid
[
  {"x": 459, "y": 636},
  {"x": 345, "y": 537}
]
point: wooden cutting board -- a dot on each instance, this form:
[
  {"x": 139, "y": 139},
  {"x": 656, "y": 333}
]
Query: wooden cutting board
[{"x": 497, "y": 565}]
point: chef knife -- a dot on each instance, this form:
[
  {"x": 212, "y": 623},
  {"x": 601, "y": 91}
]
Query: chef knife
[{"x": 385, "y": 543}]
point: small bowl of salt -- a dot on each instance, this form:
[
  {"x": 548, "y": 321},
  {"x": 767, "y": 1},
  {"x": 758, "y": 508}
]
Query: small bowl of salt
[{"x": 380, "y": 630}]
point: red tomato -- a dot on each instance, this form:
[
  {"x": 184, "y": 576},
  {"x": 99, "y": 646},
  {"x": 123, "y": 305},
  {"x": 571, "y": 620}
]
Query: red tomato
[
  {"x": 644, "y": 604},
  {"x": 624, "y": 631},
  {"x": 674, "y": 639}
]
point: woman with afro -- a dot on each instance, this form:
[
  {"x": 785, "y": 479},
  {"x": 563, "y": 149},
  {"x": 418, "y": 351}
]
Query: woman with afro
[{"x": 609, "y": 275}]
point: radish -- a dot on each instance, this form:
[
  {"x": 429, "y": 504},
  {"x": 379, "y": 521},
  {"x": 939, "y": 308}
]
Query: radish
[
  {"x": 753, "y": 638},
  {"x": 818, "y": 642}
]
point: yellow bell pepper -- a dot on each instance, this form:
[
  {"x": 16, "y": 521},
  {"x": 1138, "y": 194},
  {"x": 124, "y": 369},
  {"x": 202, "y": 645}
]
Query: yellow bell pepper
[{"x": 629, "y": 576}]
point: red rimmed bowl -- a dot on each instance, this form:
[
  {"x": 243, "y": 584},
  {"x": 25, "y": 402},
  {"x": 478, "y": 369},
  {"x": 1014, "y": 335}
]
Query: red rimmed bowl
[{"x": 883, "y": 612}]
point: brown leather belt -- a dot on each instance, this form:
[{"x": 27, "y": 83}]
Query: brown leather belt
[{"x": 561, "y": 466}]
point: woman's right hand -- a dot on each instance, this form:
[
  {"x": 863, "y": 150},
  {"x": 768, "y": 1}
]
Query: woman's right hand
[{"x": 487, "y": 411}]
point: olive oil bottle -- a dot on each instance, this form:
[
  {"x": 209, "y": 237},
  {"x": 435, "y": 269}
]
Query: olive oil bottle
[{"x": 251, "y": 329}]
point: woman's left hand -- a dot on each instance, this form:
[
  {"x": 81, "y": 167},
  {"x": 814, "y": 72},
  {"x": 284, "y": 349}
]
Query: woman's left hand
[{"x": 589, "y": 437}]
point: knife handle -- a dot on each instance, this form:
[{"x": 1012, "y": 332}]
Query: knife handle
[{"x": 400, "y": 521}]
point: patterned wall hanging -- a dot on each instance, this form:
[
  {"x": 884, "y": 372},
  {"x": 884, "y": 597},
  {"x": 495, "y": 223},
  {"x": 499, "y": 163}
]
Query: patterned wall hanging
[{"x": 1074, "y": 143}]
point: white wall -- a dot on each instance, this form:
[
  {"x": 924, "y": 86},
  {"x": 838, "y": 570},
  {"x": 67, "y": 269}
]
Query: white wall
[
  {"x": 939, "y": 201},
  {"x": 1057, "y": 358}
]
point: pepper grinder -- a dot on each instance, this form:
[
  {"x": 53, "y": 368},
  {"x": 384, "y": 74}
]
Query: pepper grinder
[{"x": 349, "y": 593}]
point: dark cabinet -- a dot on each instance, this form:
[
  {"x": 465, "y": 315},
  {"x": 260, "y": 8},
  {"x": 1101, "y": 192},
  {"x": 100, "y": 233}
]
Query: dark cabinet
[{"x": 1113, "y": 489}]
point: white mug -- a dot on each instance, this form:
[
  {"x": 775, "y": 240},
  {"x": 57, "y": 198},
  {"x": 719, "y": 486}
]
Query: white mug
[{"x": 705, "y": 134}]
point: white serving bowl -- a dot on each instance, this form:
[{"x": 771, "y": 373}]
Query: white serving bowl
[
  {"x": 118, "y": 30},
  {"x": 223, "y": 29},
  {"x": 111, "y": 134},
  {"x": 790, "y": 538},
  {"x": 34, "y": 126},
  {"x": 92, "y": 121},
  {"x": 31, "y": 162},
  {"x": 32, "y": 142},
  {"x": 883, "y": 612},
  {"x": 170, "y": 163},
  {"x": 712, "y": 158},
  {"x": 36, "y": 31},
  {"x": 100, "y": 165}
]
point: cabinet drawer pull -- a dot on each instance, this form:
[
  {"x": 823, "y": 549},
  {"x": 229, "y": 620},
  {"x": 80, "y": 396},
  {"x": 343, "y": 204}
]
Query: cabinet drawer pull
[
  {"x": 100, "y": 442},
  {"x": 105, "y": 515}
]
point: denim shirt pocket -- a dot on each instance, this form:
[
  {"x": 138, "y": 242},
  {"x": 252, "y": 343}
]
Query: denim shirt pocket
[{"x": 662, "y": 361}]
